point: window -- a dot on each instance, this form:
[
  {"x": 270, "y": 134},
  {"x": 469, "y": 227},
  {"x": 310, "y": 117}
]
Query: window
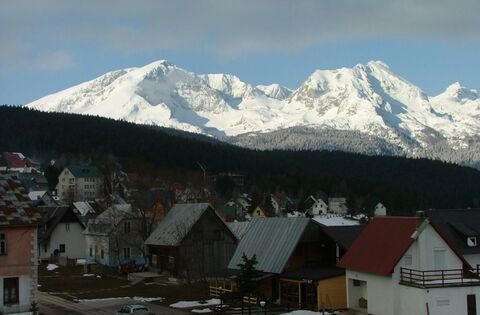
[
  {"x": 126, "y": 227},
  {"x": 62, "y": 248},
  {"x": 439, "y": 258},
  {"x": 126, "y": 252},
  {"x": 91, "y": 252},
  {"x": 3, "y": 245},
  {"x": 10, "y": 290},
  {"x": 102, "y": 255},
  {"x": 472, "y": 241},
  {"x": 407, "y": 260},
  {"x": 67, "y": 227},
  {"x": 356, "y": 283},
  {"x": 153, "y": 260},
  {"x": 443, "y": 302}
]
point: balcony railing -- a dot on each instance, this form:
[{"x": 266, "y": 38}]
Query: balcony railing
[{"x": 439, "y": 278}]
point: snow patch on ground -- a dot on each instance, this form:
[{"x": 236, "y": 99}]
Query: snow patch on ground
[
  {"x": 189, "y": 304},
  {"x": 305, "y": 312},
  {"x": 51, "y": 267},
  {"x": 135, "y": 298},
  {"x": 202, "y": 310}
]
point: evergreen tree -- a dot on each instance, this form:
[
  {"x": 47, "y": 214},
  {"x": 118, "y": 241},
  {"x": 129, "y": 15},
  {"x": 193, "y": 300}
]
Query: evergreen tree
[{"x": 246, "y": 278}]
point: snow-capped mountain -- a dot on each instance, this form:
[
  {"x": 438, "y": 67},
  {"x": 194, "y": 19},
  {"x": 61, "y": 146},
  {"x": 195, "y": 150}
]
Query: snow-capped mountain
[{"x": 368, "y": 99}]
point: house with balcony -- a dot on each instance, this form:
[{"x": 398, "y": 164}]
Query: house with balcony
[
  {"x": 79, "y": 183},
  {"x": 18, "y": 247},
  {"x": 296, "y": 259},
  {"x": 461, "y": 228},
  {"x": 405, "y": 265}
]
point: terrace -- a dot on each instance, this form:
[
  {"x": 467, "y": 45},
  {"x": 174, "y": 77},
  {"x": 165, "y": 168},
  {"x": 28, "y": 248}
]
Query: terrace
[{"x": 439, "y": 278}]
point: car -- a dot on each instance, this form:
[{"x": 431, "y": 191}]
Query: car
[{"x": 134, "y": 309}]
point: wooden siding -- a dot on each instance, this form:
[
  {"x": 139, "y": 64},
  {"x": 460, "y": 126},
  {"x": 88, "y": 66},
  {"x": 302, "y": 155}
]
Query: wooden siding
[{"x": 332, "y": 293}]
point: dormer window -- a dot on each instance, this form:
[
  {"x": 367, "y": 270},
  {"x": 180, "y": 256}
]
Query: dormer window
[{"x": 472, "y": 241}]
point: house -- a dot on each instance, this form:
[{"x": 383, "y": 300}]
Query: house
[
  {"x": 61, "y": 235},
  {"x": 79, "y": 183},
  {"x": 403, "y": 265},
  {"x": 379, "y": 210},
  {"x": 115, "y": 237},
  {"x": 18, "y": 247},
  {"x": 228, "y": 211},
  {"x": 338, "y": 205},
  {"x": 297, "y": 259},
  {"x": 315, "y": 206},
  {"x": 191, "y": 241},
  {"x": 258, "y": 212},
  {"x": 152, "y": 202},
  {"x": 461, "y": 229}
]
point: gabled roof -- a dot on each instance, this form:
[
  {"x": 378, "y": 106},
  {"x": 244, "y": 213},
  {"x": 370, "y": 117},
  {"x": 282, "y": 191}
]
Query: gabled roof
[
  {"x": 455, "y": 225},
  {"x": 238, "y": 228},
  {"x": 16, "y": 208},
  {"x": 345, "y": 235},
  {"x": 80, "y": 171},
  {"x": 272, "y": 240},
  {"x": 178, "y": 222},
  {"x": 106, "y": 222},
  {"x": 55, "y": 215},
  {"x": 380, "y": 246}
]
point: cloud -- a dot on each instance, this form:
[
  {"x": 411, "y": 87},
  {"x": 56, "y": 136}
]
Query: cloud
[{"x": 226, "y": 28}]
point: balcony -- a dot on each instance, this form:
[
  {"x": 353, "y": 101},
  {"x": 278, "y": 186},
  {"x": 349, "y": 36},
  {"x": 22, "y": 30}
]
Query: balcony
[{"x": 439, "y": 278}]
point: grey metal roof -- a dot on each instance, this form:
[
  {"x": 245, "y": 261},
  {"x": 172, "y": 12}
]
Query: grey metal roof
[
  {"x": 272, "y": 240},
  {"x": 178, "y": 222},
  {"x": 239, "y": 229}
]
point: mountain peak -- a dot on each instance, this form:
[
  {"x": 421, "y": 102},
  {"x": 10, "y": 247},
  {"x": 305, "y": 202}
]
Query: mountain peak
[{"x": 459, "y": 92}]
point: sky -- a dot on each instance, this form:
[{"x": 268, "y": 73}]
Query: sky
[{"x": 49, "y": 45}]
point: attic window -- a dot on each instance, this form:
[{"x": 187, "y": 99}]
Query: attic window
[{"x": 472, "y": 241}]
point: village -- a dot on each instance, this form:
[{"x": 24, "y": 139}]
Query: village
[{"x": 100, "y": 243}]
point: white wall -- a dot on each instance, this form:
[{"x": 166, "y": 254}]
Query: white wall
[
  {"x": 422, "y": 252},
  {"x": 379, "y": 292},
  {"x": 97, "y": 243},
  {"x": 24, "y": 286},
  {"x": 73, "y": 239}
]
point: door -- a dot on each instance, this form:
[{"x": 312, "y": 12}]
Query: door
[{"x": 471, "y": 304}]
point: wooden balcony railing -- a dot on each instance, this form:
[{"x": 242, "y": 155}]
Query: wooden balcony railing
[{"x": 439, "y": 278}]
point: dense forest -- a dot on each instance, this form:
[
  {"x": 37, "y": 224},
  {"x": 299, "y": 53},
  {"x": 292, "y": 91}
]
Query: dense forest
[{"x": 403, "y": 185}]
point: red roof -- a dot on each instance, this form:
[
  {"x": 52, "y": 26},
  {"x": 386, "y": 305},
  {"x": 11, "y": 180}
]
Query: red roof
[
  {"x": 380, "y": 246},
  {"x": 14, "y": 160}
]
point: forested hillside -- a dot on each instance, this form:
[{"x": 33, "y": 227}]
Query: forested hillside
[{"x": 404, "y": 185}]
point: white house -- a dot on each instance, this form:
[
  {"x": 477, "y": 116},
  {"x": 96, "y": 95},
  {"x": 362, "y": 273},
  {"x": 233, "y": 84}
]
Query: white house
[
  {"x": 61, "y": 235},
  {"x": 338, "y": 205},
  {"x": 316, "y": 206},
  {"x": 461, "y": 228},
  {"x": 380, "y": 209},
  {"x": 403, "y": 266},
  {"x": 79, "y": 183}
]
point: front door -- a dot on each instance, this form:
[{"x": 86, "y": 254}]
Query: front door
[{"x": 471, "y": 305}]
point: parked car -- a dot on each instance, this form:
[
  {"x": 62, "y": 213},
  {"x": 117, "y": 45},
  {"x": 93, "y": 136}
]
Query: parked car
[{"x": 136, "y": 309}]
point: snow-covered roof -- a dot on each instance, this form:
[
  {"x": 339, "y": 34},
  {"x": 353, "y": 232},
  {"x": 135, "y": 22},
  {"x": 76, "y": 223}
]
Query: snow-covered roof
[
  {"x": 334, "y": 220},
  {"x": 36, "y": 195},
  {"x": 83, "y": 207}
]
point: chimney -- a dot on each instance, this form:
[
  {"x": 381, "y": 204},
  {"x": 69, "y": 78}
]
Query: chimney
[{"x": 420, "y": 215}]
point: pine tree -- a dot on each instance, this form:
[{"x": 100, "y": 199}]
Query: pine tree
[{"x": 246, "y": 278}]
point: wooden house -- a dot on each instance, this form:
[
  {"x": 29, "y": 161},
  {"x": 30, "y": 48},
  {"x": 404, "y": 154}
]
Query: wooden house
[
  {"x": 297, "y": 259},
  {"x": 191, "y": 241}
]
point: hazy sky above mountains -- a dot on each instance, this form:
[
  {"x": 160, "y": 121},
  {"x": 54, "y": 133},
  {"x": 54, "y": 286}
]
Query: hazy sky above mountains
[{"x": 47, "y": 46}]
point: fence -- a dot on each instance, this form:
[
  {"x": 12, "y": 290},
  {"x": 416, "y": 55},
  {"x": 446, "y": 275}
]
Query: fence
[{"x": 439, "y": 278}]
